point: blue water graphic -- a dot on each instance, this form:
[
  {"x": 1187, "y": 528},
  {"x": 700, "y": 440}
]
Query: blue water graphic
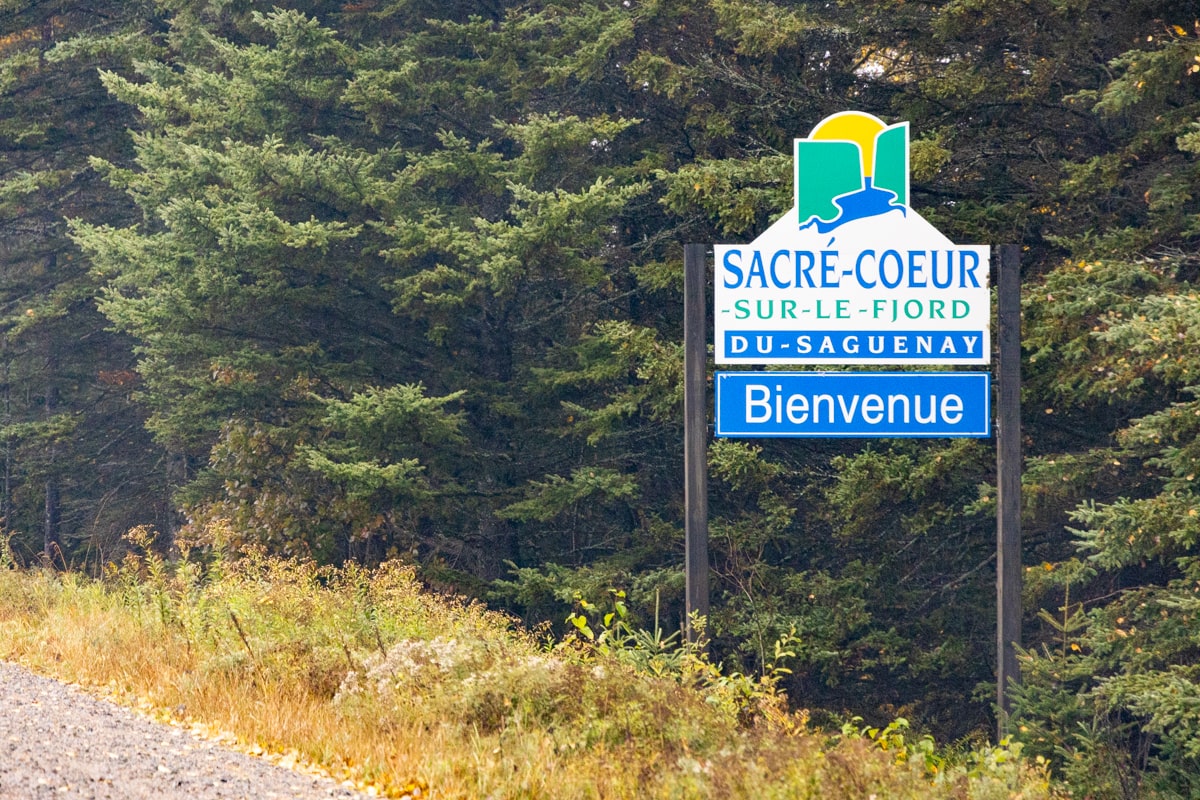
[{"x": 868, "y": 202}]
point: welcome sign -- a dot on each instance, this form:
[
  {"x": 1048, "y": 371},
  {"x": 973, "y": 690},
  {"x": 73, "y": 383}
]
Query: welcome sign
[
  {"x": 852, "y": 275},
  {"x": 853, "y": 404}
]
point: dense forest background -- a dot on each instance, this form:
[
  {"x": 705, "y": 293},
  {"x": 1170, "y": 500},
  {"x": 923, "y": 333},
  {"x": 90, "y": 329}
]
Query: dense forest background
[{"x": 402, "y": 278}]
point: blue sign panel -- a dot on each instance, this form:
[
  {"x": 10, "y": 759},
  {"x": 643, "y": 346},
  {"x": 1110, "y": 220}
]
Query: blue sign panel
[
  {"x": 861, "y": 347},
  {"x": 854, "y": 404}
]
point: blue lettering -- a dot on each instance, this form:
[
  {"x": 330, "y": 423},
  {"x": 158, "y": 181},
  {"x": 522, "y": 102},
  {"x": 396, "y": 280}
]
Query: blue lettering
[
  {"x": 775, "y": 278},
  {"x": 757, "y": 268},
  {"x": 916, "y": 265},
  {"x": 805, "y": 261},
  {"x": 883, "y": 264},
  {"x": 828, "y": 268},
  {"x": 968, "y": 272},
  {"x": 858, "y": 269},
  {"x": 933, "y": 269},
  {"x": 734, "y": 269}
]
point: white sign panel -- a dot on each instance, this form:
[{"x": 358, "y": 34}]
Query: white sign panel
[{"x": 852, "y": 275}]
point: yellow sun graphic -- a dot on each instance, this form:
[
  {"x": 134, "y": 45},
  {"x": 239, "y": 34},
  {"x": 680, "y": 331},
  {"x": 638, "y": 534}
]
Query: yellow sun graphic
[{"x": 856, "y": 127}]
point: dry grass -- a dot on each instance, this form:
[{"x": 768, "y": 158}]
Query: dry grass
[{"x": 365, "y": 676}]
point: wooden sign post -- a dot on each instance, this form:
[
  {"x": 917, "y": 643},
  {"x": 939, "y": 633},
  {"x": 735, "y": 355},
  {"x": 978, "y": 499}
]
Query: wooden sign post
[
  {"x": 1008, "y": 480},
  {"x": 695, "y": 439}
]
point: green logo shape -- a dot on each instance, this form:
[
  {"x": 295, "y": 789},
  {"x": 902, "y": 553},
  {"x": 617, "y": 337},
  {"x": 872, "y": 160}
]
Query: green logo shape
[{"x": 851, "y": 166}]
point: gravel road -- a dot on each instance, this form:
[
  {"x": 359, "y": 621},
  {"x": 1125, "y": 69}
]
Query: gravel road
[{"x": 56, "y": 741}]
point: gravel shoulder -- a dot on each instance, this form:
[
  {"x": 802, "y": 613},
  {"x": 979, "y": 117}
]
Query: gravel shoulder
[{"x": 57, "y": 741}]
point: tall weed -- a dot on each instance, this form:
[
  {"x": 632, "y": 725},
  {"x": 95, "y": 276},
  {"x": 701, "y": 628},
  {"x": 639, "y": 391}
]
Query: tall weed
[{"x": 366, "y": 676}]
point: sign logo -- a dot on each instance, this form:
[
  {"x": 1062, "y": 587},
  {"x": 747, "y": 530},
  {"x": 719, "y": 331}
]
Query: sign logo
[
  {"x": 852, "y": 274},
  {"x": 851, "y": 166}
]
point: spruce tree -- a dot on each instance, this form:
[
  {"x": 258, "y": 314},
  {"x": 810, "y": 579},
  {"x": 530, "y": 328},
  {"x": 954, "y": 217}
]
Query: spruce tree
[{"x": 78, "y": 468}]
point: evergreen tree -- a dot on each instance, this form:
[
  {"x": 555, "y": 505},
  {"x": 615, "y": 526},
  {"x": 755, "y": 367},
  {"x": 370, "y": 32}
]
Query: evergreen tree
[
  {"x": 78, "y": 468},
  {"x": 320, "y": 268},
  {"x": 1112, "y": 690}
]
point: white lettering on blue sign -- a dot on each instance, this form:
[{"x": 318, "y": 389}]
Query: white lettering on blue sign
[
  {"x": 934, "y": 404},
  {"x": 764, "y": 403},
  {"x": 751, "y": 345}
]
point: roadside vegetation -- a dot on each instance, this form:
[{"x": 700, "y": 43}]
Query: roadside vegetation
[
  {"x": 356, "y": 281},
  {"x": 368, "y": 677}
]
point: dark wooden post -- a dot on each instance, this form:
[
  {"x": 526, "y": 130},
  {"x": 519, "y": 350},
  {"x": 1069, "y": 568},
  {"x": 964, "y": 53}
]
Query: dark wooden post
[
  {"x": 695, "y": 438},
  {"x": 1008, "y": 480}
]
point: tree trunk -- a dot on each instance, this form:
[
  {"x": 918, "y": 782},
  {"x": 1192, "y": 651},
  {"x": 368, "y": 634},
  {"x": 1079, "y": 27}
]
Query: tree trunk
[{"x": 51, "y": 545}]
